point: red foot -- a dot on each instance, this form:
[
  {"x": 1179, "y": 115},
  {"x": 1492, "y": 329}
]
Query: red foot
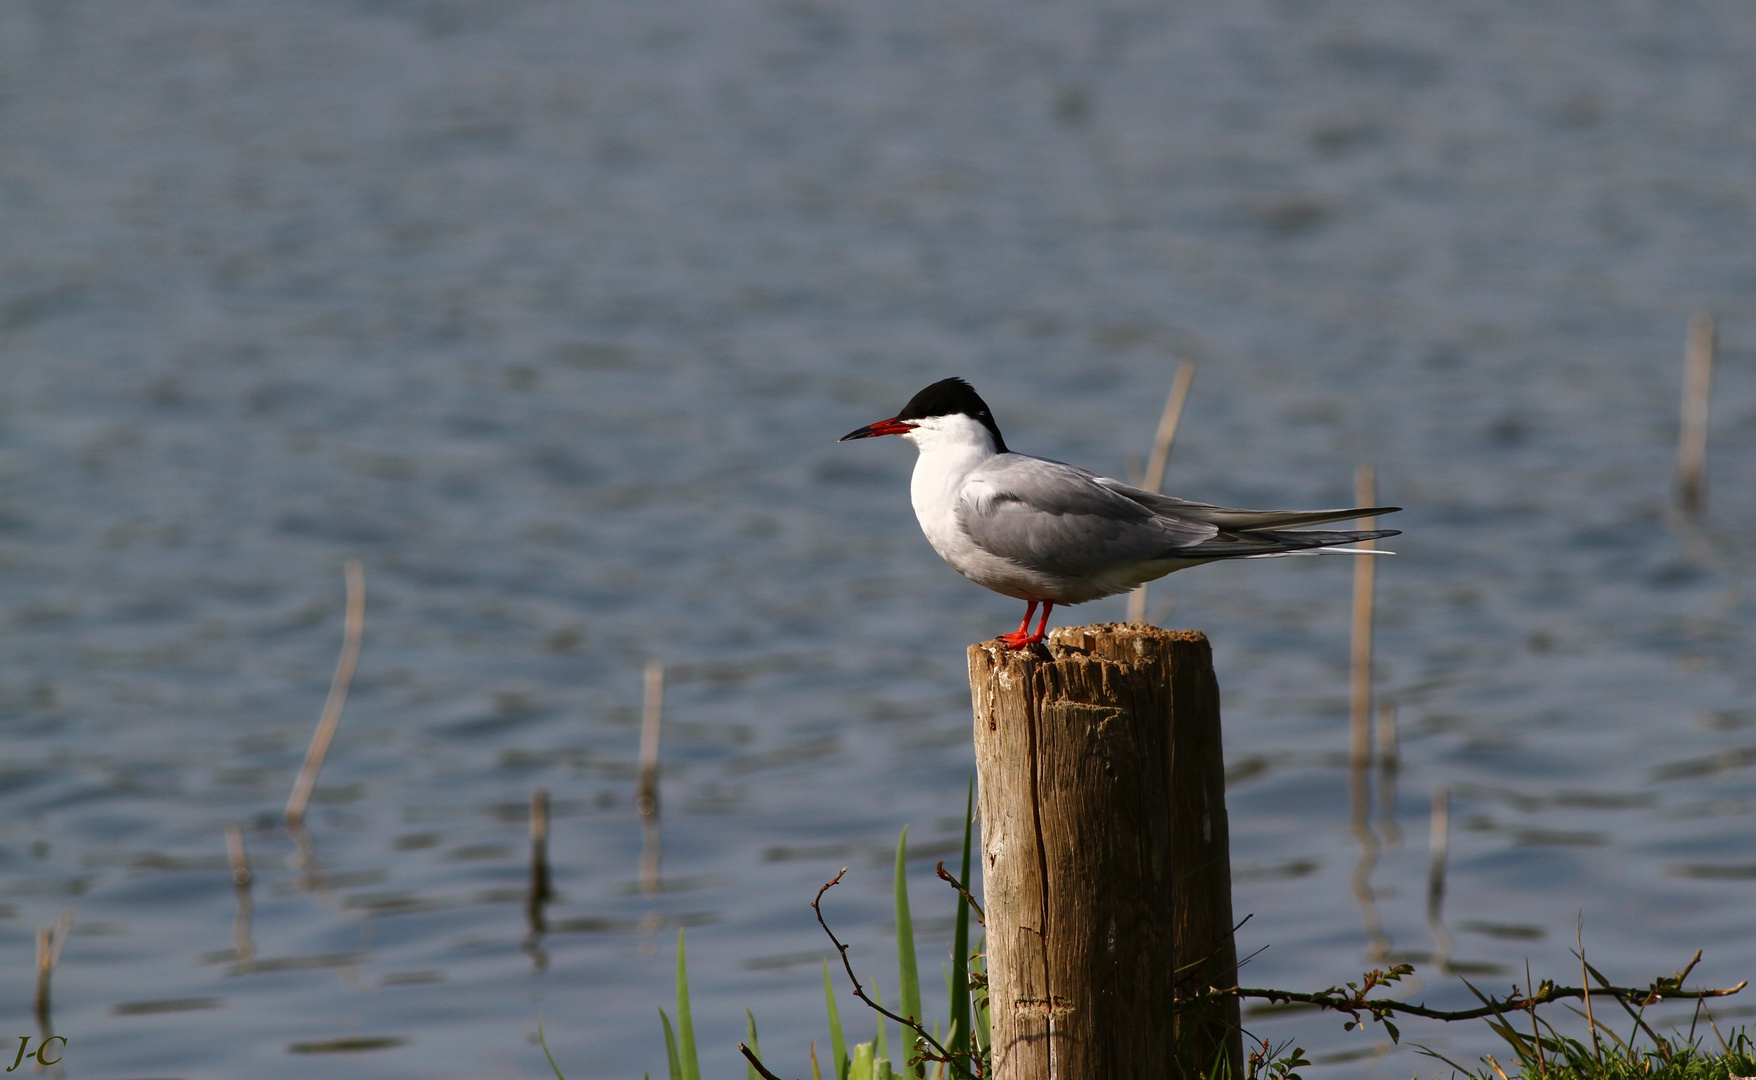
[{"x": 1019, "y": 639}]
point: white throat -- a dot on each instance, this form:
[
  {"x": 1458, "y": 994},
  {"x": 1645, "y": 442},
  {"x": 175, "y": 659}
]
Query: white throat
[{"x": 951, "y": 448}]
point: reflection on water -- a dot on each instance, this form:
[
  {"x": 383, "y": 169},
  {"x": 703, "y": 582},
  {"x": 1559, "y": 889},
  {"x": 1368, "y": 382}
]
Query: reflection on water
[
  {"x": 1438, "y": 863},
  {"x": 549, "y": 315}
]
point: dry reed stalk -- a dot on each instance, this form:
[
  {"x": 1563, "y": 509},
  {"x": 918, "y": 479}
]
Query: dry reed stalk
[
  {"x": 540, "y": 890},
  {"x": 647, "y": 801},
  {"x": 1439, "y": 843},
  {"x": 1360, "y": 675},
  {"x": 1154, "y": 477},
  {"x": 241, "y": 879},
  {"x": 338, "y": 694},
  {"x": 651, "y": 716},
  {"x": 1692, "y": 437},
  {"x": 236, "y": 855},
  {"x": 49, "y": 943}
]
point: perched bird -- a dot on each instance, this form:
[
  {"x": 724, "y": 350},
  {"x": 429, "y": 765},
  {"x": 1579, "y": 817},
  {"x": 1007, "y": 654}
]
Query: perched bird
[{"x": 1049, "y": 533}]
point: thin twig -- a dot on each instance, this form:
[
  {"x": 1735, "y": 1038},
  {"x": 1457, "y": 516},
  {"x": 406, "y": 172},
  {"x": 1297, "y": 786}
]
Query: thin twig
[
  {"x": 1697, "y": 393},
  {"x": 1154, "y": 477},
  {"x": 756, "y": 1062},
  {"x": 1335, "y": 1000},
  {"x": 945, "y": 875},
  {"x": 860, "y": 991},
  {"x": 338, "y": 693}
]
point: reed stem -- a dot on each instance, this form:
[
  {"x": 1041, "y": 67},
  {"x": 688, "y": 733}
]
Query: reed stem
[
  {"x": 647, "y": 800},
  {"x": 1360, "y": 676},
  {"x": 1692, "y": 436},
  {"x": 1154, "y": 477},
  {"x": 338, "y": 694}
]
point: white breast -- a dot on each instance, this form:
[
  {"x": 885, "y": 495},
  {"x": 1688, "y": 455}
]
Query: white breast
[{"x": 952, "y": 448}]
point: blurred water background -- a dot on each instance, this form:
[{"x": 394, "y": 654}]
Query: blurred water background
[{"x": 550, "y": 313}]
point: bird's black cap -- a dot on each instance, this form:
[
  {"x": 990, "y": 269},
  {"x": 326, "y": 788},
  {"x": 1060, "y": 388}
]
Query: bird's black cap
[{"x": 951, "y": 397}]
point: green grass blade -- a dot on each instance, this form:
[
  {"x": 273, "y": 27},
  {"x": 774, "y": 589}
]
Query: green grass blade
[
  {"x": 545, "y": 1045},
  {"x": 685, "y": 1024},
  {"x": 750, "y": 1039},
  {"x": 879, "y": 1049},
  {"x": 838, "y": 1047},
  {"x": 671, "y": 1047},
  {"x": 960, "y": 940},
  {"x": 909, "y": 975},
  {"x": 983, "y": 1036},
  {"x": 861, "y": 1067}
]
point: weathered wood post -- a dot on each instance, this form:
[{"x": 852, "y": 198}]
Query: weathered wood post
[{"x": 1104, "y": 855}]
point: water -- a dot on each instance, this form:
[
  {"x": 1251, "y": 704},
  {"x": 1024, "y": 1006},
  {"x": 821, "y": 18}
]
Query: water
[{"x": 550, "y": 313}]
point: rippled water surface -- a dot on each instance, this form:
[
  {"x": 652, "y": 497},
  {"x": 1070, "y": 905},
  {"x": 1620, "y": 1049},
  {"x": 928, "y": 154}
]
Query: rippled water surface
[{"x": 550, "y": 312}]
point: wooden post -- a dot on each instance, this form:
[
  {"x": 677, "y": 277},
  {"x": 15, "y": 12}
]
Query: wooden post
[{"x": 1105, "y": 859}]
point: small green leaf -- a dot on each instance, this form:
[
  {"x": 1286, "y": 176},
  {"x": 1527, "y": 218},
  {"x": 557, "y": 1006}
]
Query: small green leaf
[
  {"x": 861, "y": 1067},
  {"x": 685, "y": 1025},
  {"x": 959, "y": 993},
  {"x": 838, "y": 1048},
  {"x": 879, "y": 1049},
  {"x": 910, "y": 979},
  {"x": 750, "y": 1072},
  {"x": 671, "y": 1047}
]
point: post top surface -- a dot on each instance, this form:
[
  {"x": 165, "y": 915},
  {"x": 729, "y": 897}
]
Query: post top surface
[
  {"x": 1073, "y": 635},
  {"x": 1116, "y": 642}
]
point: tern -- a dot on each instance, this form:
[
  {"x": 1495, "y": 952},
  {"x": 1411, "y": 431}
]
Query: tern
[{"x": 1049, "y": 533}]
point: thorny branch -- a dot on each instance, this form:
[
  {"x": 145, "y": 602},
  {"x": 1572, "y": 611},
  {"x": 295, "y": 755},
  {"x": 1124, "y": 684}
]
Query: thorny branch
[
  {"x": 1354, "y": 1002},
  {"x": 938, "y": 1053},
  {"x": 756, "y": 1063},
  {"x": 945, "y": 875}
]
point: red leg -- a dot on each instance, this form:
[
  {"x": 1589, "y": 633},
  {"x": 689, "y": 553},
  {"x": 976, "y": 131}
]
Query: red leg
[
  {"x": 1021, "y": 637},
  {"x": 1043, "y": 626}
]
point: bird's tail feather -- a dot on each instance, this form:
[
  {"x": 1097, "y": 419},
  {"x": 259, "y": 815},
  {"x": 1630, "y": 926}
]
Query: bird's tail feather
[
  {"x": 1319, "y": 551},
  {"x": 1271, "y": 544}
]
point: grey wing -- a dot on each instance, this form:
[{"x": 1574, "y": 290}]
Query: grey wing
[
  {"x": 1226, "y": 518},
  {"x": 1057, "y": 519}
]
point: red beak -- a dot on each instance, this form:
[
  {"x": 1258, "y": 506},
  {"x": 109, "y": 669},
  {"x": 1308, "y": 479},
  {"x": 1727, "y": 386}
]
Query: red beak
[{"x": 892, "y": 426}]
